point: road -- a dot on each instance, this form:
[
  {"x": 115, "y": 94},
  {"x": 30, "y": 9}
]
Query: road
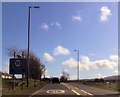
[{"x": 73, "y": 89}]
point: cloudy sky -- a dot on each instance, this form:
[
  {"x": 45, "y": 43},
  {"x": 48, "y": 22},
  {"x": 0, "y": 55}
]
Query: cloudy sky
[{"x": 57, "y": 29}]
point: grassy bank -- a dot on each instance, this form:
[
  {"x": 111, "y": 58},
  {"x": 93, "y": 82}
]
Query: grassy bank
[
  {"x": 19, "y": 90},
  {"x": 107, "y": 86}
]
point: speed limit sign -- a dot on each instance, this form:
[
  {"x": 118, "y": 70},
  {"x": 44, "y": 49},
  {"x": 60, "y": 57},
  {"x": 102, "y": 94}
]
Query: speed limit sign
[
  {"x": 18, "y": 66},
  {"x": 18, "y": 63}
]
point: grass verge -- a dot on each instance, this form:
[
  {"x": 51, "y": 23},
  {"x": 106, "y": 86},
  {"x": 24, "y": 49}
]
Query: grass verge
[
  {"x": 110, "y": 86},
  {"x": 19, "y": 90}
]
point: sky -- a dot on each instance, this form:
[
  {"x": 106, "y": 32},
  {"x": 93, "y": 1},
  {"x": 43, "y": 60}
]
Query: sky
[{"x": 57, "y": 29}]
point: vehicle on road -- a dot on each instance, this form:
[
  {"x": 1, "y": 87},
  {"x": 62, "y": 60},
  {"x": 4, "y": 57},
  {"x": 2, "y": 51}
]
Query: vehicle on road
[{"x": 55, "y": 80}]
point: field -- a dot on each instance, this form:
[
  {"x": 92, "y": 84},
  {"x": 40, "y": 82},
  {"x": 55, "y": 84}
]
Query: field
[
  {"x": 109, "y": 86},
  {"x": 19, "y": 89}
]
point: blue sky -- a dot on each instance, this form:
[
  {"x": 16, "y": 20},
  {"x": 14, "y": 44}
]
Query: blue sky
[{"x": 59, "y": 28}]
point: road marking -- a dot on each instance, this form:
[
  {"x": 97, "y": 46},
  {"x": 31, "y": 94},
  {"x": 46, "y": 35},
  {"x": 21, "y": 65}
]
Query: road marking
[
  {"x": 34, "y": 93},
  {"x": 55, "y": 91},
  {"x": 87, "y": 93},
  {"x": 72, "y": 88},
  {"x": 75, "y": 88},
  {"x": 37, "y": 91},
  {"x": 68, "y": 88},
  {"x": 75, "y": 92}
]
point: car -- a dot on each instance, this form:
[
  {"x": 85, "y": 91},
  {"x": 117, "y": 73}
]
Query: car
[{"x": 55, "y": 80}]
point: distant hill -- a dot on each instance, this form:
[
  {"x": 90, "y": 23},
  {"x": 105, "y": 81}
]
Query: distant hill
[{"x": 116, "y": 77}]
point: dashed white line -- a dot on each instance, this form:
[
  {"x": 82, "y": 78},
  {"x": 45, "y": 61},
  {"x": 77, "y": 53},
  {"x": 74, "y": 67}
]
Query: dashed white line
[
  {"x": 75, "y": 88},
  {"x": 72, "y": 88},
  {"x": 87, "y": 92},
  {"x": 75, "y": 92},
  {"x": 68, "y": 88}
]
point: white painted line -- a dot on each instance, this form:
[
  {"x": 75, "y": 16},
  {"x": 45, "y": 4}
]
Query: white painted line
[
  {"x": 87, "y": 93},
  {"x": 75, "y": 92},
  {"x": 37, "y": 91},
  {"x": 76, "y": 88},
  {"x": 34, "y": 93},
  {"x": 55, "y": 91},
  {"x": 68, "y": 88}
]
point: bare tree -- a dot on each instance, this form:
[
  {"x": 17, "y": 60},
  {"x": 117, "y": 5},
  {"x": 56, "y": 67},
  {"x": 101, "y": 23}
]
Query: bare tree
[
  {"x": 35, "y": 66},
  {"x": 10, "y": 51},
  {"x": 65, "y": 76}
]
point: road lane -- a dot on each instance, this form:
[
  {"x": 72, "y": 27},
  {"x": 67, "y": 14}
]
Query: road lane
[
  {"x": 73, "y": 89},
  {"x": 76, "y": 90},
  {"x": 93, "y": 90},
  {"x": 54, "y": 89}
]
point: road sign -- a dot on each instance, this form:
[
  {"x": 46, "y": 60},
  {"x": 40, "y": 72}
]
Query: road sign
[{"x": 17, "y": 65}]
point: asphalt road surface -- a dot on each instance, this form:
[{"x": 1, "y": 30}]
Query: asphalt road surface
[{"x": 73, "y": 89}]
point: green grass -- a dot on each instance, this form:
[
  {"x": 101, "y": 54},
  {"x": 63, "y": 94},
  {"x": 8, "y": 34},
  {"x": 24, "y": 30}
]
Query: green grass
[
  {"x": 111, "y": 86},
  {"x": 7, "y": 90}
]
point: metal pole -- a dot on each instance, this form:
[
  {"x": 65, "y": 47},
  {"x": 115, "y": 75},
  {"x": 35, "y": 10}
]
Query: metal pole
[
  {"x": 28, "y": 46},
  {"x": 78, "y": 64},
  {"x": 29, "y": 43},
  {"x": 14, "y": 75}
]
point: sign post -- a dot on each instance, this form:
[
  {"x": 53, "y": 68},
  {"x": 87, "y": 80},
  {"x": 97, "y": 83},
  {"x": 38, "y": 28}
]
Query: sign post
[{"x": 17, "y": 66}]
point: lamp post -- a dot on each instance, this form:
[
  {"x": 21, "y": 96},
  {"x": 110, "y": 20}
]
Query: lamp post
[
  {"x": 78, "y": 64},
  {"x": 29, "y": 41}
]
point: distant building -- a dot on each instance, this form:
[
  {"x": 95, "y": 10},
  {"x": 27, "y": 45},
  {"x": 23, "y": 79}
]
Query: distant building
[{"x": 5, "y": 76}]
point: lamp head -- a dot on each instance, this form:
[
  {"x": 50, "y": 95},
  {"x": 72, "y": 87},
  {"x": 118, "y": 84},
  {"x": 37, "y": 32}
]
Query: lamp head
[{"x": 36, "y": 7}]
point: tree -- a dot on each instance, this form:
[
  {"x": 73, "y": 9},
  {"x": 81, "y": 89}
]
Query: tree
[
  {"x": 65, "y": 76},
  {"x": 35, "y": 66}
]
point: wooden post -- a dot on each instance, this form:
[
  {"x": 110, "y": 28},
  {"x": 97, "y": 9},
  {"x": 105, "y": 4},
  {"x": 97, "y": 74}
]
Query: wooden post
[{"x": 22, "y": 81}]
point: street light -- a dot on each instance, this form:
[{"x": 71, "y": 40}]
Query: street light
[
  {"x": 78, "y": 64},
  {"x": 29, "y": 41}
]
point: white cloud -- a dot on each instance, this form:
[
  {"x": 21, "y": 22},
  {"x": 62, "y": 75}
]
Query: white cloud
[
  {"x": 56, "y": 24},
  {"x": 86, "y": 64},
  {"x": 85, "y": 60},
  {"x": 105, "y": 13},
  {"x": 48, "y": 57},
  {"x": 47, "y": 74},
  {"x": 59, "y": 50},
  {"x": 104, "y": 64},
  {"x": 99, "y": 75},
  {"x": 73, "y": 77},
  {"x": 5, "y": 67},
  {"x": 70, "y": 63},
  {"x": 45, "y": 26},
  {"x": 92, "y": 54},
  {"x": 66, "y": 70},
  {"x": 76, "y": 18},
  {"x": 115, "y": 72},
  {"x": 114, "y": 57}
]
